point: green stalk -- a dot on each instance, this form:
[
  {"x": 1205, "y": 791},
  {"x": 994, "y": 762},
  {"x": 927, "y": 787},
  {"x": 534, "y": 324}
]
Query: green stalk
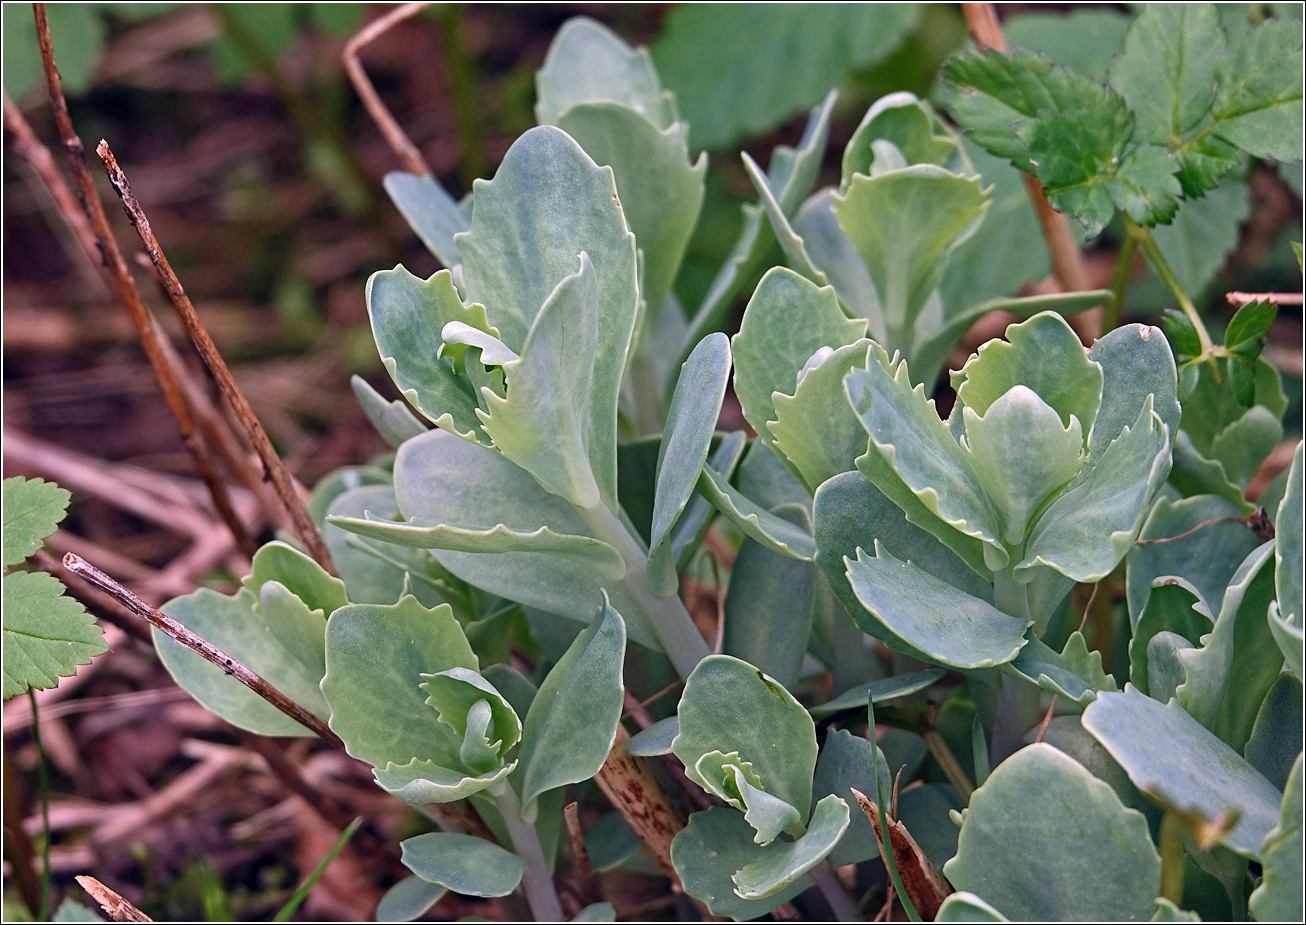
[
  {"x": 670, "y": 620},
  {"x": 537, "y": 881},
  {"x": 1018, "y": 700},
  {"x": 1119, "y": 281},
  {"x": 1172, "y": 857},
  {"x": 841, "y": 904},
  {"x": 302, "y": 893},
  {"x": 43, "y": 777},
  {"x": 948, "y": 761},
  {"x": 1158, "y": 261}
]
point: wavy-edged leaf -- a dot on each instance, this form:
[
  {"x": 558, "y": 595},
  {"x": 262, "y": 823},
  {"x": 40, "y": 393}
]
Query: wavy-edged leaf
[
  {"x": 392, "y": 419},
  {"x": 408, "y": 315},
  {"x": 1258, "y": 105},
  {"x": 584, "y": 550},
  {"x": 32, "y": 511},
  {"x": 787, "y": 320},
  {"x": 432, "y": 213},
  {"x": 1074, "y": 673},
  {"x": 1279, "y": 896},
  {"x": 710, "y": 850},
  {"x": 441, "y": 480},
  {"x": 548, "y": 203},
  {"x": 849, "y": 761},
  {"x": 376, "y": 656},
  {"x": 910, "y": 441},
  {"x": 732, "y": 780},
  {"x": 693, "y": 522},
  {"x": 1045, "y": 840},
  {"x": 788, "y": 861},
  {"x": 730, "y": 706},
  {"x": 1172, "y": 757},
  {"x": 656, "y": 739},
  {"x": 573, "y": 718},
  {"x": 455, "y": 692},
  {"x": 902, "y": 224},
  {"x": 587, "y": 62},
  {"x": 901, "y": 685},
  {"x": 302, "y": 576},
  {"x": 1289, "y": 553},
  {"x": 735, "y": 70},
  {"x": 952, "y": 627},
  {"x": 909, "y": 124},
  {"x": 419, "y": 781},
  {"x": 687, "y": 437},
  {"x": 46, "y": 635},
  {"x": 1173, "y": 606},
  {"x": 237, "y": 627},
  {"x": 967, "y": 907},
  {"x": 771, "y": 531},
  {"x": 463, "y": 863},
  {"x": 1088, "y": 528}
]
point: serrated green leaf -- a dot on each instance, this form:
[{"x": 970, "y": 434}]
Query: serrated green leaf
[
  {"x": 548, "y": 203},
  {"x": 1074, "y": 673},
  {"x": 408, "y": 899},
  {"x": 587, "y": 62},
  {"x": 1084, "y": 40},
  {"x": 902, "y": 224},
  {"x": 1167, "y": 71},
  {"x": 687, "y": 437},
  {"x": 1173, "y": 606},
  {"x": 917, "y": 447},
  {"x": 1203, "y": 160},
  {"x": 849, "y": 761},
  {"x": 441, "y": 480},
  {"x": 1170, "y": 756},
  {"x": 573, "y": 719},
  {"x": 733, "y": 69},
  {"x": 730, "y": 706},
  {"x": 32, "y": 511},
  {"x": 463, "y": 863},
  {"x": 1276, "y": 738},
  {"x": 772, "y": 532},
  {"x": 376, "y": 656},
  {"x": 1250, "y": 323},
  {"x": 1145, "y": 187},
  {"x": 1279, "y": 896},
  {"x": 1258, "y": 105},
  {"x": 408, "y": 315},
  {"x": 661, "y": 191},
  {"x": 952, "y": 627},
  {"x": 236, "y": 626},
  {"x": 788, "y": 861},
  {"x": 710, "y": 850},
  {"x": 1180, "y": 331},
  {"x": 46, "y": 635},
  {"x": 392, "y": 419},
  {"x": 1080, "y": 855},
  {"x": 433, "y": 214}
]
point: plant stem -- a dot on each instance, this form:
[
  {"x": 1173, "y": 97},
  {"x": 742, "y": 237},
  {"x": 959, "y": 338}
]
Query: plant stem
[
  {"x": 1158, "y": 261},
  {"x": 537, "y": 881},
  {"x": 668, "y": 617},
  {"x": 1172, "y": 857},
  {"x": 1018, "y": 712},
  {"x": 841, "y": 904},
  {"x": 43, "y": 777},
  {"x": 1113, "y": 310},
  {"x": 948, "y": 761}
]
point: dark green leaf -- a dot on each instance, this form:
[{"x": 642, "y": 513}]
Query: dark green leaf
[
  {"x": 1167, "y": 72},
  {"x": 1250, "y": 323},
  {"x": 1182, "y": 334},
  {"x": 1258, "y": 106},
  {"x": 46, "y": 635},
  {"x": 32, "y": 511}
]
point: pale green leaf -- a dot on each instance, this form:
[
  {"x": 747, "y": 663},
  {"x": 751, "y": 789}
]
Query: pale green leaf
[
  {"x": 1084, "y": 40},
  {"x": 710, "y": 850},
  {"x": 901, "y": 685},
  {"x": 902, "y": 224},
  {"x": 686, "y": 439},
  {"x": 1276, "y": 738},
  {"x": 408, "y": 899},
  {"x": 967, "y": 907},
  {"x": 1279, "y": 896},
  {"x": 548, "y": 203},
  {"x": 790, "y": 242},
  {"x": 420, "y": 781},
  {"x": 392, "y": 419},
  {"x": 786, "y": 862},
  {"x": 46, "y": 635},
  {"x": 736, "y": 71},
  {"x": 906, "y": 122},
  {"x": 693, "y": 523},
  {"x": 573, "y": 719},
  {"x": 1074, "y": 673},
  {"x": 727, "y": 777},
  {"x": 441, "y": 480},
  {"x": 433, "y": 214},
  {"x": 1288, "y": 553},
  {"x": 768, "y": 610},
  {"x": 32, "y": 511},
  {"x": 1173, "y": 606},
  {"x": 952, "y": 627},
  {"x": 300, "y": 631},
  {"x": 849, "y": 761},
  {"x": 463, "y": 863},
  {"x": 787, "y": 320},
  {"x": 1044, "y": 840},
  {"x": 376, "y": 656},
  {"x": 455, "y": 694},
  {"x": 1290, "y": 637},
  {"x": 1136, "y": 362},
  {"x": 584, "y": 551},
  {"x": 587, "y": 62},
  {"x": 317, "y": 588},
  {"x": 1258, "y": 105},
  {"x": 1167, "y": 71},
  {"x": 408, "y": 315},
  {"x": 1170, "y": 756},
  {"x": 661, "y": 192},
  {"x": 1068, "y": 734},
  {"x": 771, "y": 531},
  {"x": 656, "y": 739},
  {"x": 730, "y": 706}
]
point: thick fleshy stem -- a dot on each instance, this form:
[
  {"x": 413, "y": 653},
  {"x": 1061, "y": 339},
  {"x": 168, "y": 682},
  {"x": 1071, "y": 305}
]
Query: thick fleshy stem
[
  {"x": 1018, "y": 708},
  {"x": 537, "y": 881},
  {"x": 668, "y": 617}
]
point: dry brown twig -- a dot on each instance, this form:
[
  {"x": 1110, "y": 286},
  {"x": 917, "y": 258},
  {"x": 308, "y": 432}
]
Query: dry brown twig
[
  {"x": 1240, "y": 299},
  {"x": 284, "y": 483},
  {"x": 395, "y": 136},
  {"x": 118, "y": 908},
  {"x": 116, "y": 267}
]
